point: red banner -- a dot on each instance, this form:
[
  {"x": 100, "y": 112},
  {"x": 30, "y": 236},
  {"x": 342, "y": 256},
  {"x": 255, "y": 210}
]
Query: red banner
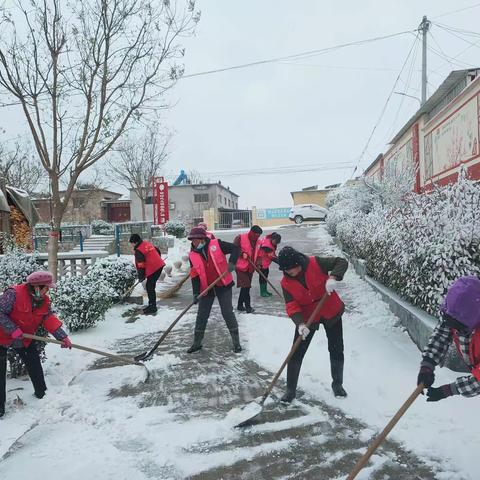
[{"x": 160, "y": 201}]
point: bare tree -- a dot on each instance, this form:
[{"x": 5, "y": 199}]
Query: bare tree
[
  {"x": 20, "y": 169},
  {"x": 83, "y": 72},
  {"x": 139, "y": 160},
  {"x": 195, "y": 177}
]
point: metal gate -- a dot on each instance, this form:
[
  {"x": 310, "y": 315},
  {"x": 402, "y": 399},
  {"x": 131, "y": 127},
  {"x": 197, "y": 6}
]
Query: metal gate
[{"x": 228, "y": 219}]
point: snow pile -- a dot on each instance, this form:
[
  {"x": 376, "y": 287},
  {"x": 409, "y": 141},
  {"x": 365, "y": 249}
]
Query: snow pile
[{"x": 417, "y": 245}]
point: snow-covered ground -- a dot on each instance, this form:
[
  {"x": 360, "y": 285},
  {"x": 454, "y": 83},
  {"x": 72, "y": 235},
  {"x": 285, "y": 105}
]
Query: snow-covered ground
[
  {"x": 86, "y": 428},
  {"x": 381, "y": 366}
]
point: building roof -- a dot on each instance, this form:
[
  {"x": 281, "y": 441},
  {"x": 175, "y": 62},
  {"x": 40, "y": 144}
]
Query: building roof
[
  {"x": 86, "y": 190},
  {"x": 195, "y": 186},
  {"x": 442, "y": 92},
  {"x": 310, "y": 191},
  {"x": 379, "y": 157}
]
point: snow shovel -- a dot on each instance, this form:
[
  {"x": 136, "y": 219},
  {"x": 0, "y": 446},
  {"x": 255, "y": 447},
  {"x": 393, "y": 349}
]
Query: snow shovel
[
  {"x": 173, "y": 290},
  {"x": 363, "y": 461},
  {"x": 244, "y": 415},
  {"x": 146, "y": 355},
  {"x": 127, "y": 360},
  {"x": 265, "y": 278}
]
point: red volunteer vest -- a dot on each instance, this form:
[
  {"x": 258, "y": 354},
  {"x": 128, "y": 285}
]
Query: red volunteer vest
[
  {"x": 473, "y": 351},
  {"x": 266, "y": 257},
  {"x": 219, "y": 260},
  {"x": 245, "y": 246},
  {"x": 153, "y": 260},
  {"x": 26, "y": 319},
  {"x": 305, "y": 299}
]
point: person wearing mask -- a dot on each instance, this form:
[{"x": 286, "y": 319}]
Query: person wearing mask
[
  {"x": 23, "y": 309},
  {"x": 208, "y": 262},
  {"x": 248, "y": 244},
  {"x": 305, "y": 281},
  {"x": 149, "y": 264}
]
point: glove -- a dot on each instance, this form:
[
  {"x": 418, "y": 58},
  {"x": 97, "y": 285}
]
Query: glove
[
  {"x": 231, "y": 266},
  {"x": 17, "y": 333},
  {"x": 303, "y": 331},
  {"x": 425, "y": 376},
  {"x": 66, "y": 343},
  {"x": 330, "y": 285},
  {"x": 245, "y": 255},
  {"x": 436, "y": 394},
  {"x": 196, "y": 298}
]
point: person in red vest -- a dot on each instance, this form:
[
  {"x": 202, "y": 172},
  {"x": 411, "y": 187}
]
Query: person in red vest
[
  {"x": 460, "y": 325},
  {"x": 248, "y": 244},
  {"x": 23, "y": 309},
  {"x": 149, "y": 264},
  {"x": 204, "y": 226},
  {"x": 267, "y": 255},
  {"x": 305, "y": 281},
  {"x": 208, "y": 262}
]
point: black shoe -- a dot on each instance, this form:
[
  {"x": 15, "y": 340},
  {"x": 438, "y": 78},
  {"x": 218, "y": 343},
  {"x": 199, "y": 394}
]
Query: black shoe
[
  {"x": 237, "y": 348},
  {"x": 240, "y": 308},
  {"x": 151, "y": 309},
  {"x": 338, "y": 390},
  {"x": 249, "y": 310},
  {"x": 2, "y": 410},
  {"x": 288, "y": 397},
  {"x": 40, "y": 394},
  {"x": 194, "y": 348}
]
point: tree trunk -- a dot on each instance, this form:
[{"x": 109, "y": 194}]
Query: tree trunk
[
  {"x": 144, "y": 216},
  {"x": 53, "y": 250}
]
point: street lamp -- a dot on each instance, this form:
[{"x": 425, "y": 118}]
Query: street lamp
[{"x": 407, "y": 95}]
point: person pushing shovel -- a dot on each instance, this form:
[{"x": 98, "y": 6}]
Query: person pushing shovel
[
  {"x": 23, "y": 309},
  {"x": 208, "y": 262},
  {"x": 305, "y": 281},
  {"x": 460, "y": 324}
]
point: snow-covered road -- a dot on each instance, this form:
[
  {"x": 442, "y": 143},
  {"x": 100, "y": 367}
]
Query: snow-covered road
[{"x": 107, "y": 423}]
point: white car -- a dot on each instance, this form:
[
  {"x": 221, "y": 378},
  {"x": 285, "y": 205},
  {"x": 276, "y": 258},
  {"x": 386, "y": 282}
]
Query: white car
[{"x": 307, "y": 211}]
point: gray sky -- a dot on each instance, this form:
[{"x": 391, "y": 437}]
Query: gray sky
[
  {"x": 305, "y": 111},
  {"x": 316, "y": 110}
]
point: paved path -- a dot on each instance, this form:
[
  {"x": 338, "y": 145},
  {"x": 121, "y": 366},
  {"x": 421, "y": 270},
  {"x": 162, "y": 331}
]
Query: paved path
[{"x": 306, "y": 440}]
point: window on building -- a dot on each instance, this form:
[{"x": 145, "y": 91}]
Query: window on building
[
  {"x": 149, "y": 200},
  {"x": 219, "y": 199},
  {"x": 200, "y": 197},
  {"x": 229, "y": 204}
]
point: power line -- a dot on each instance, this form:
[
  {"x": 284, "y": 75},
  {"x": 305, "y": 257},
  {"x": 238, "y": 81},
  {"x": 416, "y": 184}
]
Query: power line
[
  {"x": 458, "y": 10},
  {"x": 385, "y": 106},
  {"x": 301, "y": 55}
]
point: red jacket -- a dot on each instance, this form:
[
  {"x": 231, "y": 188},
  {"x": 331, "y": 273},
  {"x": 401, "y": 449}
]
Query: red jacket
[
  {"x": 305, "y": 299},
  {"x": 219, "y": 260},
  {"x": 265, "y": 258},
  {"x": 153, "y": 260},
  {"x": 26, "y": 319},
  {"x": 246, "y": 247},
  {"x": 473, "y": 351}
]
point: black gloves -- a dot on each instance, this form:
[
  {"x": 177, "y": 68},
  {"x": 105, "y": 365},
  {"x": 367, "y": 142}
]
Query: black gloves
[
  {"x": 436, "y": 394},
  {"x": 425, "y": 376}
]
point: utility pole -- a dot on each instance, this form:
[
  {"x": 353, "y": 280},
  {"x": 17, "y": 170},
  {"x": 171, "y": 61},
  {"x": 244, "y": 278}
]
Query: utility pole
[{"x": 424, "y": 27}]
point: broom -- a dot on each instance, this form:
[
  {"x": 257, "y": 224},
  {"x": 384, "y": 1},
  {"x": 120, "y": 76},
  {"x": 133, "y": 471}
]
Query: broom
[{"x": 173, "y": 290}]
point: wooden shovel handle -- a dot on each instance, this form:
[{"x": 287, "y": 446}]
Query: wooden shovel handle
[
  {"x": 265, "y": 278},
  {"x": 86, "y": 349},
  {"x": 363, "y": 461},
  {"x": 293, "y": 349}
]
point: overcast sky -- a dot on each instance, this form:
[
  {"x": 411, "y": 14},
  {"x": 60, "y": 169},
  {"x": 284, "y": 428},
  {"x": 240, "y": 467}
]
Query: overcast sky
[
  {"x": 315, "y": 110},
  {"x": 305, "y": 111}
]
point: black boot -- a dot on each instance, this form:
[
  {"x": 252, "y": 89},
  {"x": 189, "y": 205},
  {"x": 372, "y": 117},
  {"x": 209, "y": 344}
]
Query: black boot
[
  {"x": 293, "y": 371},
  {"x": 237, "y": 348},
  {"x": 197, "y": 342},
  {"x": 248, "y": 306},
  {"x": 40, "y": 394},
  {"x": 336, "y": 368},
  {"x": 150, "y": 310}
]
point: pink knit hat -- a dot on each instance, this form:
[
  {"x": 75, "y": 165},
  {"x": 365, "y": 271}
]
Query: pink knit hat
[{"x": 41, "y": 278}]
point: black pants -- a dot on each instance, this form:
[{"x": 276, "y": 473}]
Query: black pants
[
  {"x": 244, "y": 297},
  {"x": 265, "y": 271},
  {"x": 151, "y": 286},
  {"x": 224, "y": 295},
  {"x": 334, "y": 333},
  {"x": 31, "y": 358}
]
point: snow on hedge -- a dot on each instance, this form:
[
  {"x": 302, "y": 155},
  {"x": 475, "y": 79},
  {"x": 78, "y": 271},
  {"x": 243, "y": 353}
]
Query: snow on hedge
[
  {"x": 119, "y": 273},
  {"x": 416, "y": 244}
]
